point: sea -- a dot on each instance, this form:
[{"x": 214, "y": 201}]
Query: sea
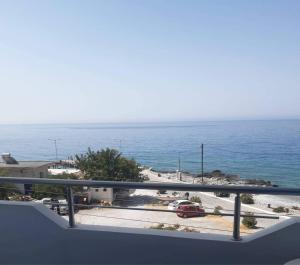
[{"x": 262, "y": 149}]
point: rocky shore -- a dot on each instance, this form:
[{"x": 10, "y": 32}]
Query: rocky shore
[
  {"x": 216, "y": 177},
  {"x": 264, "y": 202}
]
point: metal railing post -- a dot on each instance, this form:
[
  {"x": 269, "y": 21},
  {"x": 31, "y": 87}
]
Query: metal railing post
[
  {"x": 70, "y": 206},
  {"x": 236, "y": 218}
]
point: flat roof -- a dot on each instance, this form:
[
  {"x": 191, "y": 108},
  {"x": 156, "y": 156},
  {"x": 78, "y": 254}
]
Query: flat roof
[{"x": 26, "y": 164}]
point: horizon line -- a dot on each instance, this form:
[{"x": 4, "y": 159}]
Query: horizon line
[{"x": 151, "y": 122}]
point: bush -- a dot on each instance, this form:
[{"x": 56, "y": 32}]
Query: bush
[
  {"x": 279, "y": 209},
  {"x": 176, "y": 226},
  {"x": 222, "y": 194},
  {"x": 175, "y": 193},
  {"x": 145, "y": 178},
  {"x": 170, "y": 228},
  {"x": 8, "y": 190},
  {"x": 247, "y": 199},
  {"x": 159, "y": 226},
  {"x": 217, "y": 210},
  {"x": 196, "y": 199},
  {"x": 187, "y": 229},
  {"x": 249, "y": 221},
  {"x": 40, "y": 191},
  {"x": 163, "y": 227},
  {"x": 161, "y": 192},
  {"x": 296, "y": 208}
]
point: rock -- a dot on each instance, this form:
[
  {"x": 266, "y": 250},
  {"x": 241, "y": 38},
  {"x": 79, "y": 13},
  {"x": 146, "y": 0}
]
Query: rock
[
  {"x": 217, "y": 174},
  {"x": 259, "y": 182},
  {"x": 232, "y": 177}
]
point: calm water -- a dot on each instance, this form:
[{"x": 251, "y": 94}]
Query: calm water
[{"x": 253, "y": 149}]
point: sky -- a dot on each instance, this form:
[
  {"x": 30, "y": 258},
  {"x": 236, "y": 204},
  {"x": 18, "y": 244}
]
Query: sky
[{"x": 148, "y": 60}]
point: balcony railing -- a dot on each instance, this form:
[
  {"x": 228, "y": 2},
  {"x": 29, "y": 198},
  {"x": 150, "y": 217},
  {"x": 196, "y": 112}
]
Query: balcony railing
[{"x": 237, "y": 190}]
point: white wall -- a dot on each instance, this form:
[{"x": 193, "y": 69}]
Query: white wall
[{"x": 102, "y": 194}]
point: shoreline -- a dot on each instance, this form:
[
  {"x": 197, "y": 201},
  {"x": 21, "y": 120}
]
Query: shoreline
[
  {"x": 219, "y": 178},
  {"x": 214, "y": 177}
]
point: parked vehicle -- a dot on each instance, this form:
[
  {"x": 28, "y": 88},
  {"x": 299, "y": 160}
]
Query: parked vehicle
[
  {"x": 46, "y": 202},
  {"x": 186, "y": 211},
  {"x": 54, "y": 204},
  {"x": 63, "y": 208},
  {"x": 175, "y": 204}
]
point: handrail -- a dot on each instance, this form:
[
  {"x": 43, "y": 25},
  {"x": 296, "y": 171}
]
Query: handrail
[{"x": 153, "y": 186}]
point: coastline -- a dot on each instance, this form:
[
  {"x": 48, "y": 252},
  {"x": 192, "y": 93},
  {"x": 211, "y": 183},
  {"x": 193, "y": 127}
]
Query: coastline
[{"x": 219, "y": 178}]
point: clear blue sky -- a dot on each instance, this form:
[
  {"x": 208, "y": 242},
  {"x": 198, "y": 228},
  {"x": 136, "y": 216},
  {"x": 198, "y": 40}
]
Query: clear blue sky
[{"x": 155, "y": 60}]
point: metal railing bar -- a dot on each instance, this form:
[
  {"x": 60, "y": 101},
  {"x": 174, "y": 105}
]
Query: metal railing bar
[
  {"x": 156, "y": 186},
  {"x": 153, "y": 222},
  {"x": 32, "y": 190},
  {"x": 70, "y": 206},
  {"x": 159, "y": 210},
  {"x": 237, "y": 217}
]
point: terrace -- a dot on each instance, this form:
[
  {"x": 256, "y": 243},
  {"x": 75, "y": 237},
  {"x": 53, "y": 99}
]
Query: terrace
[{"x": 28, "y": 227}]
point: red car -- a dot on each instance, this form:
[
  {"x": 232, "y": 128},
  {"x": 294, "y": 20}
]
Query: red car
[{"x": 189, "y": 211}]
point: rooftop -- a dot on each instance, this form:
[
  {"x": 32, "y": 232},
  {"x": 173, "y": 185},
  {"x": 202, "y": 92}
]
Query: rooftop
[
  {"x": 26, "y": 164},
  {"x": 8, "y": 161}
]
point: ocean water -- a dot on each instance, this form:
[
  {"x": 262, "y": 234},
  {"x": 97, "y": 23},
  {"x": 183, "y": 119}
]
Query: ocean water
[{"x": 267, "y": 150}]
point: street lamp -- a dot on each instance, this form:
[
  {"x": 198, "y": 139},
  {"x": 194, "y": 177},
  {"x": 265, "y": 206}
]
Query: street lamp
[{"x": 55, "y": 145}]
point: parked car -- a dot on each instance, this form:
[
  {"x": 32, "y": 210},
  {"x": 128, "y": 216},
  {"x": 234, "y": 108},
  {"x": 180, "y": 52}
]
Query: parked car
[
  {"x": 46, "y": 202},
  {"x": 63, "y": 209},
  {"x": 175, "y": 204},
  {"x": 186, "y": 211},
  {"x": 54, "y": 204}
]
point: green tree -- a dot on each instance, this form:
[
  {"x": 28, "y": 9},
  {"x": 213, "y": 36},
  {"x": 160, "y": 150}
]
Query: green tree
[
  {"x": 3, "y": 191},
  {"x": 6, "y": 189},
  {"x": 40, "y": 191},
  {"x": 108, "y": 164}
]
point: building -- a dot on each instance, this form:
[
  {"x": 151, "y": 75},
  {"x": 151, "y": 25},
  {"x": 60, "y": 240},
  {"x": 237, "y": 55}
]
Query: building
[
  {"x": 102, "y": 194},
  {"x": 10, "y": 167},
  {"x": 107, "y": 194}
]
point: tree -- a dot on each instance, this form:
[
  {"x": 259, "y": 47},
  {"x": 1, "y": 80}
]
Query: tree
[
  {"x": 3, "y": 190},
  {"x": 108, "y": 164},
  {"x": 40, "y": 191},
  {"x": 6, "y": 189}
]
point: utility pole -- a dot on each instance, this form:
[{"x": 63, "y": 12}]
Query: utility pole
[
  {"x": 202, "y": 170},
  {"x": 55, "y": 145},
  {"x": 179, "y": 167}
]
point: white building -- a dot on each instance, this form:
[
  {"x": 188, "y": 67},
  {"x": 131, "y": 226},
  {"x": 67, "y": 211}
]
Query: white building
[
  {"x": 107, "y": 194},
  {"x": 102, "y": 194}
]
